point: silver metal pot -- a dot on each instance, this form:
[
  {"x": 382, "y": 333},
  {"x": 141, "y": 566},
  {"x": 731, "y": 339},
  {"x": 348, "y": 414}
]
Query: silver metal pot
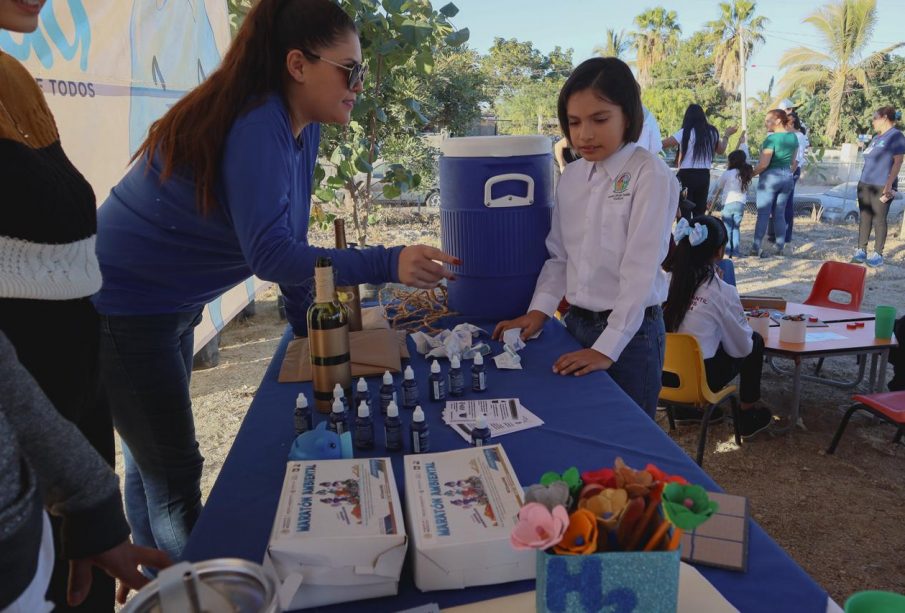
[{"x": 222, "y": 585}]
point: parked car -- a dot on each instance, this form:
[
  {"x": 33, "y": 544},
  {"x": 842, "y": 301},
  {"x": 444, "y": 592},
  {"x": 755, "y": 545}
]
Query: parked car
[
  {"x": 840, "y": 204},
  {"x": 422, "y": 195}
]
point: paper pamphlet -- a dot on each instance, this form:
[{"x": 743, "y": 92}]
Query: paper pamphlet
[{"x": 504, "y": 416}]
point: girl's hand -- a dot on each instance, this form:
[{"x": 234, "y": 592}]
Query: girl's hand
[
  {"x": 581, "y": 362},
  {"x": 418, "y": 266},
  {"x": 731, "y": 130},
  {"x": 742, "y": 137},
  {"x": 120, "y": 562},
  {"x": 530, "y": 323}
]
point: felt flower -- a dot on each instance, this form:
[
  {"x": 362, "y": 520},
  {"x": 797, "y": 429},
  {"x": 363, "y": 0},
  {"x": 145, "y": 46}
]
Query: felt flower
[
  {"x": 607, "y": 506},
  {"x": 590, "y": 489},
  {"x": 687, "y": 506},
  {"x": 660, "y": 481},
  {"x": 571, "y": 477},
  {"x": 605, "y": 477},
  {"x": 635, "y": 482},
  {"x": 581, "y": 535},
  {"x": 538, "y": 527},
  {"x": 551, "y": 496}
]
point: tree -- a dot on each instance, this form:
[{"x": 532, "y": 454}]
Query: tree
[
  {"x": 453, "y": 94},
  {"x": 615, "y": 44},
  {"x": 846, "y": 27},
  {"x": 656, "y": 38},
  {"x": 735, "y": 24},
  {"x": 399, "y": 38},
  {"x": 238, "y": 9},
  {"x": 510, "y": 64},
  {"x": 532, "y": 108}
]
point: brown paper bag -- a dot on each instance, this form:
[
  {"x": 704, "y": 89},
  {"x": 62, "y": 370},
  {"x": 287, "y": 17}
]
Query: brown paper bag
[{"x": 373, "y": 352}]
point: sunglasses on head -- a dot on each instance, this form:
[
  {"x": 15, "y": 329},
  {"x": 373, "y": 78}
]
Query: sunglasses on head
[{"x": 357, "y": 72}]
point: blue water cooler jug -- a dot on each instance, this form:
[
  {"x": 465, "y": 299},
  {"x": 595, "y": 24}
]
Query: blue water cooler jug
[{"x": 496, "y": 202}]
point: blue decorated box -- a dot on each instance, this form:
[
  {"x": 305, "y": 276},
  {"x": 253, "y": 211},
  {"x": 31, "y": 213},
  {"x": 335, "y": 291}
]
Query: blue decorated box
[{"x": 621, "y": 581}]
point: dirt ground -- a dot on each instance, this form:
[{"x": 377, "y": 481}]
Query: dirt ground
[{"x": 840, "y": 517}]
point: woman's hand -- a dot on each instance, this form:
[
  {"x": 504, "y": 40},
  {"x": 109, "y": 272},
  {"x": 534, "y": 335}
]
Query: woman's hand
[
  {"x": 418, "y": 266},
  {"x": 581, "y": 362},
  {"x": 731, "y": 130},
  {"x": 530, "y": 323},
  {"x": 120, "y": 562}
]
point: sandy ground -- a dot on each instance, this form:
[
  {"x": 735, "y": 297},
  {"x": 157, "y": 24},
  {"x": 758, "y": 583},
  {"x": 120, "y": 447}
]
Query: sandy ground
[{"x": 840, "y": 517}]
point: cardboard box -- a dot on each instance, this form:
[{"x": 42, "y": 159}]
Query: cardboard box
[
  {"x": 338, "y": 532},
  {"x": 461, "y": 507}
]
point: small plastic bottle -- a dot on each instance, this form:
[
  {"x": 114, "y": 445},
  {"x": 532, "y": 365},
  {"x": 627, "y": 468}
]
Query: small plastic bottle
[
  {"x": 420, "y": 435},
  {"x": 392, "y": 428},
  {"x": 456, "y": 378},
  {"x": 480, "y": 434},
  {"x": 339, "y": 393},
  {"x": 362, "y": 393},
  {"x": 363, "y": 436},
  {"x": 387, "y": 392},
  {"x": 436, "y": 383},
  {"x": 337, "y": 421},
  {"x": 478, "y": 374},
  {"x": 302, "y": 416},
  {"x": 409, "y": 389}
]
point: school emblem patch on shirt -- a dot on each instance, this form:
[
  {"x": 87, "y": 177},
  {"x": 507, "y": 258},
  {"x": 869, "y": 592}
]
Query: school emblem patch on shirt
[{"x": 621, "y": 183}]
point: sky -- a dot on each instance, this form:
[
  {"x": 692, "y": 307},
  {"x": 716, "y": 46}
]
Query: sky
[{"x": 582, "y": 24}]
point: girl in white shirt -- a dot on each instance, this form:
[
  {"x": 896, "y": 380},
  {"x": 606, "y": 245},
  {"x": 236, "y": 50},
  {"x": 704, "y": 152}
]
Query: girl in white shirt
[
  {"x": 609, "y": 234},
  {"x": 733, "y": 185},
  {"x": 700, "y": 303},
  {"x": 697, "y": 141}
]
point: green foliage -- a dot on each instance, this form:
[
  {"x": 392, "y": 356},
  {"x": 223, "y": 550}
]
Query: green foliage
[
  {"x": 533, "y": 103},
  {"x": 615, "y": 44},
  {"x": 511, "y": 65},
  {"x": 836, "y": 68},
  {"x": 400, "y": 40},
  {"x": 237, "y": 11},
  {"x": 737, "y": 23},
  {"x": 452, "y": 95},
  {"x": 655, "y": 40}
]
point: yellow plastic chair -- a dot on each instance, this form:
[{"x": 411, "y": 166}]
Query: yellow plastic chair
[{"x": 685, "y": 384}]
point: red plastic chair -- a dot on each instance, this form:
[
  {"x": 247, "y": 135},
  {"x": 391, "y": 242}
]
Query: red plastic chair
[
  {"x": 840, "y": 276},
  {"x": 888, "y": 406}
]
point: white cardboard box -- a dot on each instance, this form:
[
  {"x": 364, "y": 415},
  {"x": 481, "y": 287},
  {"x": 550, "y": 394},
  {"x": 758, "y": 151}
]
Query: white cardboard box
[
  {"x": 338, "y": 532},
  {"x": 461, "y": 506}
]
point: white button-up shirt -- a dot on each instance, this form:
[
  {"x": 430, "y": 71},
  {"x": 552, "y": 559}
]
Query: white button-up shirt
[
  {"x": 716, "y": 317},
  {"x": 609, "y": 235}
]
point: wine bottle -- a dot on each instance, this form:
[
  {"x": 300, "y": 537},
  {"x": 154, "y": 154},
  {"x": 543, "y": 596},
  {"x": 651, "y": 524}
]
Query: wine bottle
[
  {"x": 348, "y": 294},
  {"x": 328, "y": 339}
]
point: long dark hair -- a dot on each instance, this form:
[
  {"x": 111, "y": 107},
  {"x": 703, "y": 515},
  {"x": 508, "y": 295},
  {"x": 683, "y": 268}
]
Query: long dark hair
[
  {"x": 739, "y": 161},
  {"x": 706, "y": 136},
  {"x": 691, "y": 267},
  {"x": 190, "y": 137}
]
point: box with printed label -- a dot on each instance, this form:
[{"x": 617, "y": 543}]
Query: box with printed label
[
  {"x": 338, "y": 532},
  {"x": 461, "y": 507}
]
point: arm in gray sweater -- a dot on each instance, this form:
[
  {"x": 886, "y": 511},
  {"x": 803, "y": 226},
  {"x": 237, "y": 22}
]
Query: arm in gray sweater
[{"x": 45, "y": 459}]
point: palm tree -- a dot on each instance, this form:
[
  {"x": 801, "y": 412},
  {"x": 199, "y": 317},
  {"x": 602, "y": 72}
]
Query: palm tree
[
  {"x": 736, "y": 23},
  {"x": 846, "y": 27},
  {"x": 657, "y": 36},
  {"x": 615, "y": 46}
]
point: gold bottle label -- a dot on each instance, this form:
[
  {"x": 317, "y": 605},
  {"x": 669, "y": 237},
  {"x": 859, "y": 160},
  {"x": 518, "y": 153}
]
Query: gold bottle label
[{"x": 330, "y": 364}]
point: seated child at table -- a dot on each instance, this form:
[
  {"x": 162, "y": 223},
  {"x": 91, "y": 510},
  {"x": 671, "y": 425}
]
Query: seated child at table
[
  {"x": 702, "y": 304},
  {"x": 610, "y": 231}
]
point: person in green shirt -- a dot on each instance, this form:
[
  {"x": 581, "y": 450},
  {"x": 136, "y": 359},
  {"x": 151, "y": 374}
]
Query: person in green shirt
[{"x": 778, "y": 160}]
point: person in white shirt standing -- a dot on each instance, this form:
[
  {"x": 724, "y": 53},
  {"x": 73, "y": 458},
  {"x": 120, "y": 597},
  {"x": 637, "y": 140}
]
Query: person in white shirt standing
[
  {"x": 609, "y": 234},
  {"x": 700, "y": 303},
  {"x": 697, "y": 141},
  {"x": 732, "y": 187}
]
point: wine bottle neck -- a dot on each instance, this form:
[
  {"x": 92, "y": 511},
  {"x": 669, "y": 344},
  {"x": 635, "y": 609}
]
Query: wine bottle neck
[
  {"x": 324, "y": 290},
  {"x": 339, "y": 230}
]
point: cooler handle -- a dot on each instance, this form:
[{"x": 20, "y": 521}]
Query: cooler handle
[{"x": 507, "y": 201}]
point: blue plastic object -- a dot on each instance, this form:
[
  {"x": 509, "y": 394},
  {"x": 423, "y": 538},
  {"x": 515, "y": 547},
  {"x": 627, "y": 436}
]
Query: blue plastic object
[
  {"x": 321, "y": 444},
  {"x": 496, "y": 203}
]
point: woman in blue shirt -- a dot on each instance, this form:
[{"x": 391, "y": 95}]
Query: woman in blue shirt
[
  {"x": 221, "y": 191},
  {"x": 879, "y": 180}
]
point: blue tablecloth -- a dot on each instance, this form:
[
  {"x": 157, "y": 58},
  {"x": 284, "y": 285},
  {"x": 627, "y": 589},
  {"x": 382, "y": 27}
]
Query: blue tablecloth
[{"x": 589, "y": 422}]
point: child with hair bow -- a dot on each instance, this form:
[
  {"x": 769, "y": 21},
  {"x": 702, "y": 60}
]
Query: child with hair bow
[{"x": 702, "y": 304}]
